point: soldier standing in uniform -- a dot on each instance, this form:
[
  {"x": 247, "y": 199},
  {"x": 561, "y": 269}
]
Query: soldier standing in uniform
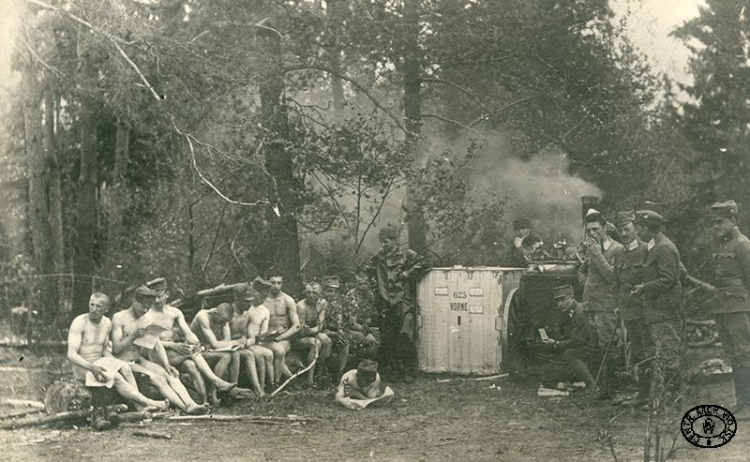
[
  {"x": 661, "y": 291},
  {"x": 731, "y": 299},
  {"x": 629, "y": 268},
  {"x": 597, "y": 275},
  {"x": 395, "y": 273}
]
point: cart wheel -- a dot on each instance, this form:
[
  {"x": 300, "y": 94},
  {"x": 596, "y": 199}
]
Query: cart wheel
[{"x": 512, "y": 344}]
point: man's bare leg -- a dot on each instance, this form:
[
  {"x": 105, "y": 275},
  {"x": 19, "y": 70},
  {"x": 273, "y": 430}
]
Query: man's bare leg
[
  {"x": 223, "y": 359},
  {"x": 313, "y": 350},
  {"x": 205, "y": 369},
  {"x": 248, "y": 359},
  {"x": 279, "y": 349},
  {"x": 129, "y": 391},
  {"x": 171, "y": 388},
  {"x": 196, "y": 377},
  {"x": 127, "y": 374}
]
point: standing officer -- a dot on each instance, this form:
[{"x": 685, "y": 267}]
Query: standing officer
[
  {"x": 731, "y": 302},
  {"x": 630, "y": 263},
  {"x": 661, "y": 291},
  {"x": 395, "y": 273}
]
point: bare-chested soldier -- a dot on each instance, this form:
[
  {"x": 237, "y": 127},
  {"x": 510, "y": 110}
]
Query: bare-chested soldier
[
  {"x": 312, "y": 314},
  {"x": 253, "y": 357},
  {"x": 211, "y": 326},
  {"x": 88, "y": 340},
  {"x": 257, "y": 327},
  {"x": 131, "y": 324},
  {"x": 283, "y": 324},
  {"x": 184, "y": 355}
]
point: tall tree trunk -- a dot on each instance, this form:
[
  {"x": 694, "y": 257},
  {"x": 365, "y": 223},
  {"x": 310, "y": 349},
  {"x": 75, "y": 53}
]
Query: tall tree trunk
[
  {"x": 114, "y": 197},
  {"x": 54, "y": 188},
  {"x": 412, "y": 114},
  {"x": 335, "y": 13},
  {"x": 39, "y": 200},
  {"x": 86, "y": 216},
  {"x": 279, "y": 160}
]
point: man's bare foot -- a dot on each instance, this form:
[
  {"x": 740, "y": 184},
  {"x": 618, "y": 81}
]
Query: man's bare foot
[
  {"x": 197, "y": 409},
  {"x": 213, "y": 400},
  {"x": 238, "y": 391},
  {"x": 224, "y": 385},
  {"x": 153, "y": 406}
]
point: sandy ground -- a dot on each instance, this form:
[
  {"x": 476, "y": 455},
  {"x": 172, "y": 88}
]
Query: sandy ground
[{"x": 460, "y": 419}]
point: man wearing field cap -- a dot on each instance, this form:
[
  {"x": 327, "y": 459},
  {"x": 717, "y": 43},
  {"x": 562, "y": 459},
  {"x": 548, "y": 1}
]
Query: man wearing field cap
[
  {"x": 577, "y": 340},
  {"x": 661, "y": 292},
  {"x": 629, "y": 268},
  {"x": 395, "y": 273},
  {"x": 731, "y": 298}
]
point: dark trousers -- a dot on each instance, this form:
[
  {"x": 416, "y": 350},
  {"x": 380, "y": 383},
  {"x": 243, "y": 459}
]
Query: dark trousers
[
  {"x": 734, "y": 333},
  {"x": 397, "y": 335}
]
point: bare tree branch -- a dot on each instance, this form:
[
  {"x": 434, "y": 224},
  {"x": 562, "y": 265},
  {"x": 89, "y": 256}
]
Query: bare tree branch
[
  {"x": 450, "y": 121},
  {"x": 357, "y": 85}
]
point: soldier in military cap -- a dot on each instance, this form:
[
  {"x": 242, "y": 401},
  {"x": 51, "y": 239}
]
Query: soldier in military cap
[
  {"x": 630, "y": 263},
  {"x": 395, "y": 273},
  {"x": 522, "y": 230},
  {"x": 661, "y": 292},
  {"x": 731, "y": 299},
  {"x": 577, "y": 340}
]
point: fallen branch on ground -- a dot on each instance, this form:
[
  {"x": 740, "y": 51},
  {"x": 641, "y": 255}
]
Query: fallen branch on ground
[
  {"x": 33, "y": 422},
  {"x": 20, "y": 413},
  {"x": 24, "y": 403},
  {"x": 297, "y": 374},
  {"x": 152, "y": 434},
  {"x": 251, "y": 418}
]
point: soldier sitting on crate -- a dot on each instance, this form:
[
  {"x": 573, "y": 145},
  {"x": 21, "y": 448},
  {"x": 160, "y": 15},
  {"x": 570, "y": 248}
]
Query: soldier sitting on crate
[{"x": 578, "y": 342}]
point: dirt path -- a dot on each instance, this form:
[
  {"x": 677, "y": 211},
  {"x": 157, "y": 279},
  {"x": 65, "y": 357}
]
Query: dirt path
[{"x": 461, "y": 420}]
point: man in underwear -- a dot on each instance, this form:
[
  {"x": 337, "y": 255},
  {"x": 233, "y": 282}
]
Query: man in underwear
[
  {"x": 257, "y": 327},
  {"x": 211, "y": 326},
  {"x": 283, "y": 326},
  {"x": 244, "y": 296},
  {"x": 312, "y": 314},
  {"x": 185, "y": 355},
  {"x": 88, "y": 340},
  {"x": 130, "y": 325}
]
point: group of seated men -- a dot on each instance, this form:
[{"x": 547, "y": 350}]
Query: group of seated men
[{"x": 148, "y": 349}]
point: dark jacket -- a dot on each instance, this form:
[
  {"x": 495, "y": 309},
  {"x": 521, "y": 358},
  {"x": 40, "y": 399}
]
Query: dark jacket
[
  {"x": 630, "y": 265},
  {"x": 662, "y": 289},
  {"x": 731, "y": 274}
]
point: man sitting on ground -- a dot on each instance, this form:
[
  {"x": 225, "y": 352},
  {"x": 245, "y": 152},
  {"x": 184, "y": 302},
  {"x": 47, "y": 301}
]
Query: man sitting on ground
[
  {"x": 88, "y": 340},
  {"x": 358, "y": 386},
  {"x": 130, "y": 325},
  {"x": 211, "y": 326},
  {"x": 186, "y": 354}
]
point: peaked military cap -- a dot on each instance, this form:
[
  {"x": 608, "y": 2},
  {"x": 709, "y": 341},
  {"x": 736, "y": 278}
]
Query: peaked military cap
[
  {"x": 649, "y": 217},
  {"x": 727, "y": 209},
  {"x": 390, "y": 232},
  {"x": 622, "y": 218},
  {"x": 521, "y": 223},
  {"x": 157, "y": 285},
  {"x": 562, "y": 291},
  {"x": 144, "y": 293}
]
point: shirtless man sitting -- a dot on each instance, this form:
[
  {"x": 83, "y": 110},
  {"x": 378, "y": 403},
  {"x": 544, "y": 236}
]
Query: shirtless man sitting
[
  {"x": 250, "y": 355},
  {"x": 312, "y": 313},
  {"x": 211, "y": 326},
  {"x": 185, "y": 355},
  {"x": 283, "y": 326},
  {"x": 88, "y": 340},
  {"x": 257, "y": 327},
  {"x": 130, "y": 325}
]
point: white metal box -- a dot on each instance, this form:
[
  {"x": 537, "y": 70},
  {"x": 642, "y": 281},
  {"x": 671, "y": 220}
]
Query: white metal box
[{"x": 460, "y": 327}]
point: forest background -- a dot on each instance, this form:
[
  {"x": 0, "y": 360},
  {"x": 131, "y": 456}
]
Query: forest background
[{"x": 211, "y": 141}]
